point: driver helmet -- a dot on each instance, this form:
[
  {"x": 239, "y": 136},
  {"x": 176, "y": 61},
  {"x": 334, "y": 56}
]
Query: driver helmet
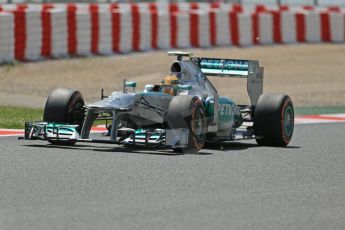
[
  {"x": 148, "y": 88},
  {"x": 169, "y": 84}
]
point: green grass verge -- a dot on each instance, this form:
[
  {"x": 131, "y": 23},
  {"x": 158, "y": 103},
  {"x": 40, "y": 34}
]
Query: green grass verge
[{"x": 15, "y": 117}]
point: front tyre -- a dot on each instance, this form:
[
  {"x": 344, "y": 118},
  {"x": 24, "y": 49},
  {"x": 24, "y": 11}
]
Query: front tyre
[
  {"x": 64, "y": 106},
  {"x": 274, "y": 120},
  {"x": 189, "y": 113}
]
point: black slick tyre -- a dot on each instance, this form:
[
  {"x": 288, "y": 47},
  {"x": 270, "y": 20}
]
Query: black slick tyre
[
  {"x": 274, "y": 120},
  {"x": 64, "y": 106},
  {"x": 188, "y": 112}
]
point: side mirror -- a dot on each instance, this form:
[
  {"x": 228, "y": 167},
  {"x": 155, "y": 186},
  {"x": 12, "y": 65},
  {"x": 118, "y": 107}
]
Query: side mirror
[
  {"x": 184, "y": 87},
  {"x": 131, "y": 84}
]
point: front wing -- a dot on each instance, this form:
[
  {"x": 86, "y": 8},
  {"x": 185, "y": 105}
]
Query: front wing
[{"x": 173, "y": 138}]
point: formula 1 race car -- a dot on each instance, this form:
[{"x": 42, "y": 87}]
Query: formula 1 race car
[{"x": 183, "y": 112}]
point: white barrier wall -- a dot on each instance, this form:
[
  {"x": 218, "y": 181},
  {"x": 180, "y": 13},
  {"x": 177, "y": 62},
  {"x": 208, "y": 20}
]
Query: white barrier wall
[
  {"x": 105, "y": 32},
  {"x": 124, "y": 31},
  {"x": 337, "y": 21},
  {"x": 223, "y": 32},
  {"x": 83, "y": 19},
  {"x": 58, "y": 33},
  {"x": 163, "y": 30},
  {"x": 313, "y": 27},
  {"x": 145, "y": 36},
  {"x": 6, "y": 37},
  {"x": 32, "y": 32},
  {"x": 265, "y": 28},
  {"x": 183, "y": 30},
  {"x": 245, "y": 29},
  {"x": 288, "y": 27},
  {"x": 204, "y": 28}
]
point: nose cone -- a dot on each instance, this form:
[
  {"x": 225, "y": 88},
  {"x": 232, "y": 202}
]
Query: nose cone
[{"x": 116, "y": 101}]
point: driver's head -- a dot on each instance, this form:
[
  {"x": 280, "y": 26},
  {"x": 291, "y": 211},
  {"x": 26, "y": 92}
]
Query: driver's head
[
  {"x": 170, "y": 80},
  {"x": 169, "y": 83}
]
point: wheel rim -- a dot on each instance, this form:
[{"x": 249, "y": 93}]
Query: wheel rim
[
  {"x": 288, "y": 121},
  {"x": 199, "y": 125},
  {"x": 76, "y": 112}
]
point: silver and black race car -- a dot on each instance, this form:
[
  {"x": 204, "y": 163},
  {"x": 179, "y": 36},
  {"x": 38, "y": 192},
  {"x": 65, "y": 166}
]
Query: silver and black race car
[{"x": 183, "y": 112}]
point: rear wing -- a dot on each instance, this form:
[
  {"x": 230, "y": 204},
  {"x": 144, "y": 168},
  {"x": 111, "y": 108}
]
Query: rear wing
[{"x": 235, "y": 68}]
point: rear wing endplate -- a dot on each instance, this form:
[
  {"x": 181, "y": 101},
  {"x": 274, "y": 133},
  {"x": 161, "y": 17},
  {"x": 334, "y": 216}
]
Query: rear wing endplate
[{"x": 235, "y": 68}]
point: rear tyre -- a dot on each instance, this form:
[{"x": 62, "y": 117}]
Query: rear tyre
[
  {"x": 64, "y": 106},
  {"x": 274, "y": 120},
  {"x": 189, "y": 113}
]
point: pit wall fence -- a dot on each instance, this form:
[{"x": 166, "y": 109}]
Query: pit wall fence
[{"x": 32, "y": 32}]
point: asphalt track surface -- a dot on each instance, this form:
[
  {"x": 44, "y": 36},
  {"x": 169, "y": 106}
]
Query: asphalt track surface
[{"x": 94, "y": 186}]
